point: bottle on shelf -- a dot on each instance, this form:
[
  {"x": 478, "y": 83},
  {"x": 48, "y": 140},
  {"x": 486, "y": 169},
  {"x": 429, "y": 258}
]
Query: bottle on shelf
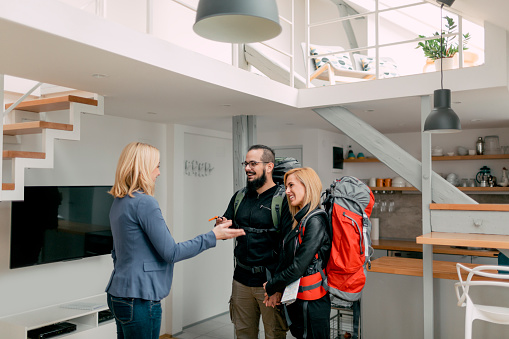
[{"x": 479, "y": 146}]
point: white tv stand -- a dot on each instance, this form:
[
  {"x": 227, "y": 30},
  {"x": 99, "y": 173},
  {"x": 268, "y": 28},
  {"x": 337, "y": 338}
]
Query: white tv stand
[{"x": 87, "y": 321}]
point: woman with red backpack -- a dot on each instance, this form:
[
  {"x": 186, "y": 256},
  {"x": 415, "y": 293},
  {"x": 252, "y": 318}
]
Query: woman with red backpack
[{"x": 304, "y": 254}]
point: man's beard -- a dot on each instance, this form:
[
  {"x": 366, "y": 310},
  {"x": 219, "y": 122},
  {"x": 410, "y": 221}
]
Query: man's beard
[{"x": 255, "y": 184}]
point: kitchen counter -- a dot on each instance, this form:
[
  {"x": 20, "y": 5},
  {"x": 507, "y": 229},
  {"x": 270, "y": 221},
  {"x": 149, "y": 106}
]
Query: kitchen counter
[{"x": 412, "y": 246}]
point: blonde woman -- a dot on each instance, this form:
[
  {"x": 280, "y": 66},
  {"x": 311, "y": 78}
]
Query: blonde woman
[
  {"x": 144, "y": 250},
  {"x": 305, "y": 252}
]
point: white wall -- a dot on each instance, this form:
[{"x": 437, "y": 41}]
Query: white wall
[
  {"x": 202, "y": 285},
  {"x": 170, "y": 21},
  {"x": 317, "y": 152},
  {"x": 316, "y": 149},
  {"x": 90, "y": 161}
]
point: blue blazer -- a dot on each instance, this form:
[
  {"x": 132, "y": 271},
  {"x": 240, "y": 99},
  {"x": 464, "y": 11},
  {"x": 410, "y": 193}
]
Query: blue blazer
[{"x": 144, "y": 251}]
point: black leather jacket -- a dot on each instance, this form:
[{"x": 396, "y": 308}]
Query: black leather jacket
[{"x": 298, "y": 260}]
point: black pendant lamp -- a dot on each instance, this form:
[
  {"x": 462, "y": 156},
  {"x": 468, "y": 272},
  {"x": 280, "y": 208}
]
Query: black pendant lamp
[
  {"x": 237, "y": 21},
  {"x": 442, "y": 118}
]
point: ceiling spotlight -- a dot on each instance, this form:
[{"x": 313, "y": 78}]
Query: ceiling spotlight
[{"x": 237, "y": 21}]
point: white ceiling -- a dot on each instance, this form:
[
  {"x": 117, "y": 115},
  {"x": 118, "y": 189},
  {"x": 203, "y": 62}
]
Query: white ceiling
[{"x": 133, "y": 88}]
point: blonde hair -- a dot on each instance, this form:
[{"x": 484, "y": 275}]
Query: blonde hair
[
  {"x": 313, "y": 186},
  {"x": 134, "y": 170}
]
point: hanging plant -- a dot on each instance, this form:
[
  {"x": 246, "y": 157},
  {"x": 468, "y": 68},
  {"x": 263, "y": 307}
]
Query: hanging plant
[{"x": 431, "y": 48}]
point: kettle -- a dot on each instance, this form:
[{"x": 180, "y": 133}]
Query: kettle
[{"x": 483, "y": 176}]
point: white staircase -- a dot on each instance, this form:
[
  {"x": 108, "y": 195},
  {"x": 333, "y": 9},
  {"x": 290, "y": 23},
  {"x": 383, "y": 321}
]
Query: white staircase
[
  {"x": 459, "y": 213},
  {"x": 42, "y": 112}
]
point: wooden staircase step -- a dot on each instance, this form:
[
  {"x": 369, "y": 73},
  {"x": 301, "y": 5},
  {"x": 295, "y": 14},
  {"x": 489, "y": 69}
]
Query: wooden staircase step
[
  {"x": 52, "y": 104},
  {"x": 34, "y": 127},
  {"x": 8, "y": 187},
  {"x": 23, "y": 154}
]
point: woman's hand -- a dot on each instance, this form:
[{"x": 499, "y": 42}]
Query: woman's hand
[
  {"x": 273, "y": 300},
  {"x": 222, "y": 230}
]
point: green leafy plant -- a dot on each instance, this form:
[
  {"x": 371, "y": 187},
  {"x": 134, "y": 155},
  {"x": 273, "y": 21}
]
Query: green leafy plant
[{"x": 431, "y": 48}]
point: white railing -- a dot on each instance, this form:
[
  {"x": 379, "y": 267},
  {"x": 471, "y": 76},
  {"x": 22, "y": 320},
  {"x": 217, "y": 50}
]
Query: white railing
[
  {"x": 377, "y": 44},
  {"x": 101, "y": 8}
]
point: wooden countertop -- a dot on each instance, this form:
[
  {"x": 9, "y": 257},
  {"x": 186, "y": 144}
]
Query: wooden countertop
[
  {"x": 413, "y": 267},
  {"x": 465, "y": 239},
  {"x": 410, "y": 246}
]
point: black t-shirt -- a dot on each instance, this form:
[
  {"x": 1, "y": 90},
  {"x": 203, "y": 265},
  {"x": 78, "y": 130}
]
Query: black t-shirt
[{"x": 258, "y": 249}]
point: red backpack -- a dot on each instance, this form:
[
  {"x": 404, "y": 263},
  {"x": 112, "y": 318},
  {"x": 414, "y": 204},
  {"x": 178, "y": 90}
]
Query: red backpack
[{"x": 349, "y": 203}]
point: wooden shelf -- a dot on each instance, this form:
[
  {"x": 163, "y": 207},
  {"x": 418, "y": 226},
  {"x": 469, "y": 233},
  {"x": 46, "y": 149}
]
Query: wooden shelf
[
  {"x": 393, "y": 188},
  {"x": 463, "y": 189},
  {"x": 470, "y": 207},
  {"x": 362, "y": 160},
  {"x": 413, "y": 267},
  {"x": 410, "y": 246},
  {"x": 52, "y": 104},
  {"x": 445, "y": 158},
  {"x": 34, "y": 127},
  {"x": 465, "y": 239},
  {"x": 471, "y": 157}
]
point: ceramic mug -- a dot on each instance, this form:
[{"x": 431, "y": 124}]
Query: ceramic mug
[
  {"x": 388, "y": 182},
  {"x": 379, "y": 182},
  {"x": 372, "y": 182}
]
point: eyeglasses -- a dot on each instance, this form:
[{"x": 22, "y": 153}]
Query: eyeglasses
[{"x": 253, "y": 164}]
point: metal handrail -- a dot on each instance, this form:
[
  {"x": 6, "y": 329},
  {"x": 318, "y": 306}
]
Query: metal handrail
[
  {"x": 377, "y": 45},
  {"x": 20, "y": 100}
]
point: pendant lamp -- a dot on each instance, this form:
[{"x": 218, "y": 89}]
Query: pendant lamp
[
  {"x": 442, "y": 118},
  {"x": 237, "y": 21}
]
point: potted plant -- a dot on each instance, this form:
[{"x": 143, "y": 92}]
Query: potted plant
[{"x": 432, "y": 50}]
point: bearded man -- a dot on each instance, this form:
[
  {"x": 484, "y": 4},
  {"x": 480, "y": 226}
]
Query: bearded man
[{"x": 253, "y": 209}]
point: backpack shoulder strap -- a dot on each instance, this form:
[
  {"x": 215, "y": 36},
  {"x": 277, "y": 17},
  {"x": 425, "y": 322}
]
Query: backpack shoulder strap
[
  {"x": 238, "y": 198},
  {"x": 277, "y": 203},
  {"x": 303, "y": 223}
]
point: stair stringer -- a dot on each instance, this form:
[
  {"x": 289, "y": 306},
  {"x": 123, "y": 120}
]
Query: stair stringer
[
  {"x": 48, "y": 137},
  {"x": 391, "y": 154},
  {"x": 405, "y": 165}
]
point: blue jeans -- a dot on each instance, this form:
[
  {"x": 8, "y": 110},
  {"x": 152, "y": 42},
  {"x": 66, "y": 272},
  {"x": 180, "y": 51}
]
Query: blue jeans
[{"x": 136, "y": 318}]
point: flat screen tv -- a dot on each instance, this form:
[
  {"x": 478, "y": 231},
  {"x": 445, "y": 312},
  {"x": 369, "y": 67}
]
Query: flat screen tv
[{"x": 59, "y": 223}]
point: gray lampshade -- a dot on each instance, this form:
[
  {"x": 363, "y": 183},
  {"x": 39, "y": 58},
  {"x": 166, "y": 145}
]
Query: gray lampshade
[
  {"x": 237, "y": 21},
  {"x": 442, "y": 118}
]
